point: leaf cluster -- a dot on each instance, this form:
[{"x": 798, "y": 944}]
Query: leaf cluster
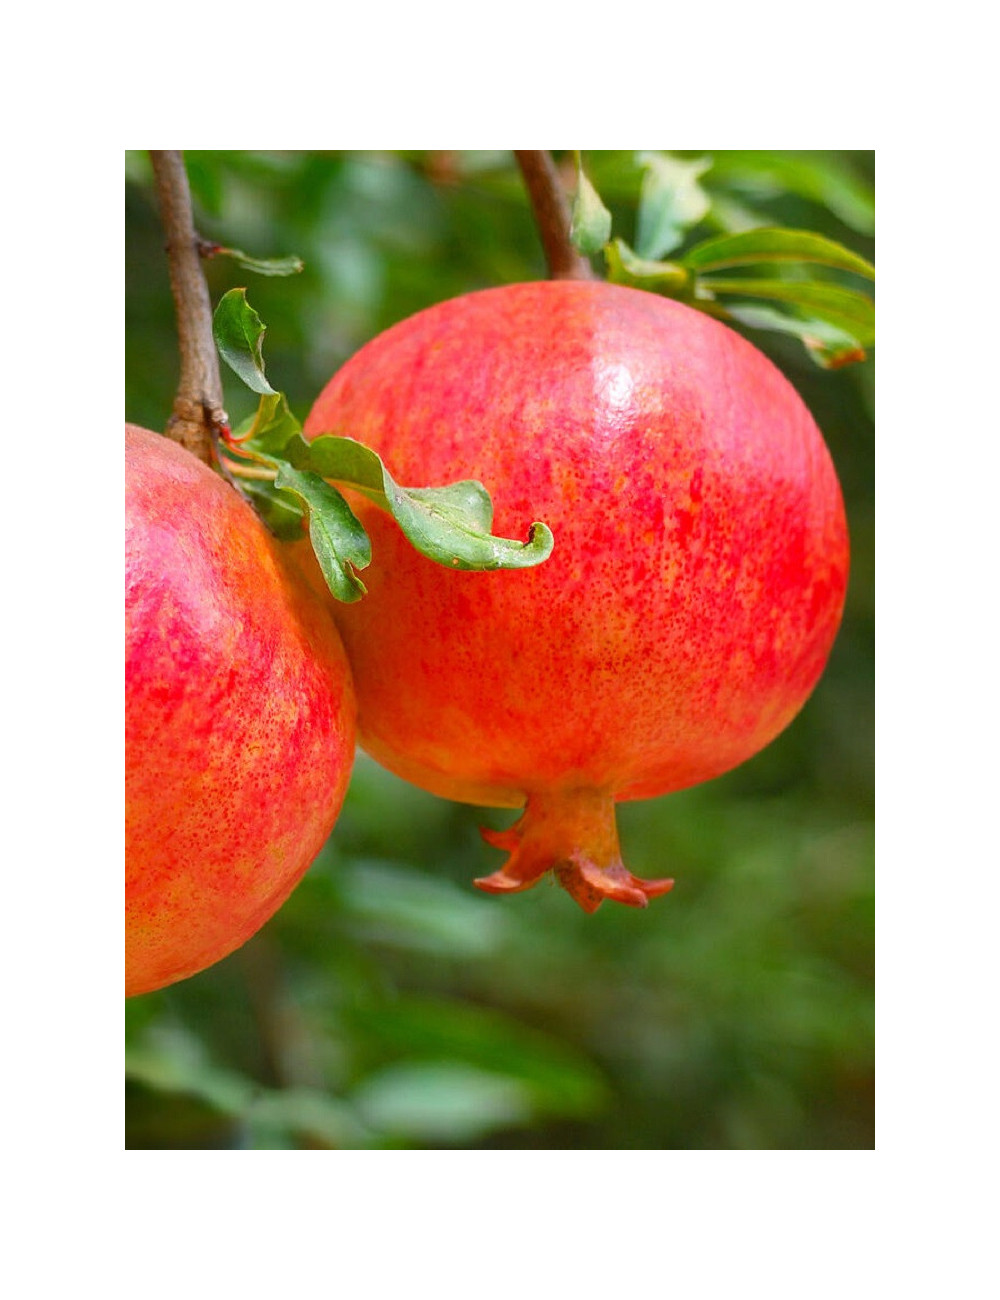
[
  {"x": 451, "y": 525},
  {"x": 772, "y": 283}
]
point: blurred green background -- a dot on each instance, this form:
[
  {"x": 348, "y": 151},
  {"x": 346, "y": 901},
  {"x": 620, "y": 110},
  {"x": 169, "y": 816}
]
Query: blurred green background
[{"x": 389, "y": 1003}]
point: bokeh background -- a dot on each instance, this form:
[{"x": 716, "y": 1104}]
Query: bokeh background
[{"x": 389, "y": 1003}]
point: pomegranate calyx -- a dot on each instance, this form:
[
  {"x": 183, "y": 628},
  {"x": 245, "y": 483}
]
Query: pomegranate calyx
[
  {"x": 590, "y": 884},
  {"x": 573, "y": 834}
]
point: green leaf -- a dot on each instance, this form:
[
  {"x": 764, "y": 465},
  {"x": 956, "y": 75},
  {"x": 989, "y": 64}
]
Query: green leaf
[
  {"x": 828, "y": 346},
  {"x": 262, "y": 265},
  {"x": 239, "y": 336},
  {"x": 341, "y": 544},
  {"x": 819, "y": 177},
  {"x": 670, "y": 201},
  {"x": 590, "y": 228},
  {"x": 413, "y": 911},
  {"x": 848, "y": 310},
  {"x": 432, "y": 1102},
  {"x": 173, "y": 1060},
  {"x": 734, "y": 215},
  {"x": 450, "y": 525},
  {"x": 774, "y": 244},
  {"x": 624, "y": 267},
  {"x": 271, "y": 427},
  {"x": 278, "y": 509},
  {"x": 562, "y": 1080},
  {"x": 307, "y": 1112}
]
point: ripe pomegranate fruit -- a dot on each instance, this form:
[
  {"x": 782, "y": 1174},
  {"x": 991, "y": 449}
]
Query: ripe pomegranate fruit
[
  {"x": 239, "y": 718},
  {"x": 692, "y": 597}
]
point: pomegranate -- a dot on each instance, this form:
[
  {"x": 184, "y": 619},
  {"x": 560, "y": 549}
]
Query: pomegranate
[
  {"x": 689, "y": 605},
  {"x": 239, "y": 718}
]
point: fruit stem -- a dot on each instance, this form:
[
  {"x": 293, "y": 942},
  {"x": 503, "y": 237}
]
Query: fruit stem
[
  {"x": 197, "y": 413},
  {"x": 250, "y": 471},
  {"x": 552, "y": 215},
  {"x": 572, "y": 833}
]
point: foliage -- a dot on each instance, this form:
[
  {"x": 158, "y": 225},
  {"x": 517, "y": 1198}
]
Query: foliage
[
  {"x": 390, "y": 1004},
  {"x": 835, "y": 322},
  {"x": 450, "y": 524}
]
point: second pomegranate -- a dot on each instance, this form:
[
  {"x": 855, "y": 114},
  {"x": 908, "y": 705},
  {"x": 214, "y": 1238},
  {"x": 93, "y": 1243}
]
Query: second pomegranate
[{"x": 690, "y": 603}]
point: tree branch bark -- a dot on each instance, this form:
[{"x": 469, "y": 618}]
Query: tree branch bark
[
  {"x": 197, "y": 410},
  {"x": 552, "y": 215}
]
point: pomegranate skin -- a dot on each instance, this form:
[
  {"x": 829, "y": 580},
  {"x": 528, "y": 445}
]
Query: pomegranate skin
[
  {"x": 698, "y": 576},
  {"x": 239, "y": 718}
]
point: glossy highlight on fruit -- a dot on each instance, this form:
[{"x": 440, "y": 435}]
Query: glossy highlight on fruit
[
  {"x": 690, "y": 603},
  {"x": 239, "y": 718}
]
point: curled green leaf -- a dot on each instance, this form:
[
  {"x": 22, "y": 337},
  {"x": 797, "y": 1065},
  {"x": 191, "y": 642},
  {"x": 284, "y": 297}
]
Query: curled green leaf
[
  {"x": 450, "y": 525},
  {"x": 590, "y": 228},
  {"x": 239, "y": 336},
  {"x": 286, "y": 477}
]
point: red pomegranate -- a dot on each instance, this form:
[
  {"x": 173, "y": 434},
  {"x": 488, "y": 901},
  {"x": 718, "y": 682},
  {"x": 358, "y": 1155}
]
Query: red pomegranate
[
  {"x": 239, "y": 718},
  {"x": 692, "y": 597}
]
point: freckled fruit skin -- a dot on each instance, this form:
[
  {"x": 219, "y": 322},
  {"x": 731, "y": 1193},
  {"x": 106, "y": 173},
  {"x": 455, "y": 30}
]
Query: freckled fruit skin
[
  {"x": 239, "y": 718},
  {"x": 691, "y": 600}
]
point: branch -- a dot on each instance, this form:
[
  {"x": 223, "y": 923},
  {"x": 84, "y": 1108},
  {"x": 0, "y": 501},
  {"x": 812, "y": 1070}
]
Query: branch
[
  {"x": 197, "y": 412},
  {"x": 288, "y": 1058},
  {"x": 552, "y": 215}
]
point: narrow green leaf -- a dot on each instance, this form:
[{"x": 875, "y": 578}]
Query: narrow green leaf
[
  {"x": 262, "y": 265},
  {"x": 774, "y": 244},
  {"x": 338, "y": 539},
  {"x": 828, "y": 346},
  {"x": 734, "y": 215},
  {"x": 846, "y": 309},
  {"x": 590, "y": 228},
  {"x": 450, "y": 525},
  {"x": 819, "y": 177},
  {"x": 671, "y": 200},
  {"x": 624, "y": 267},
  {"x": 561, "y": 1079},
  {"x": 239, "y": 336}
]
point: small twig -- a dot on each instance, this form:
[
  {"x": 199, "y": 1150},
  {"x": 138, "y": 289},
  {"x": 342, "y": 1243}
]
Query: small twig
[
  {"x": 285, "y": 1046},
  {"x": 197, "y": 415},
  {"x": 552, "y": 215}
]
